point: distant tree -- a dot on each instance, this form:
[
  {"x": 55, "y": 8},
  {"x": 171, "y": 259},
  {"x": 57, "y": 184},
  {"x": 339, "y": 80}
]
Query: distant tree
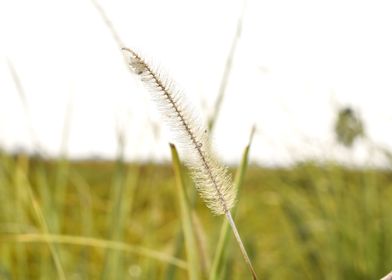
[{"x": 348, "y": 127}]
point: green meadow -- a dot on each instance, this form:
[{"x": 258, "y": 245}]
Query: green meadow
[{"x": 63, "y": 219}]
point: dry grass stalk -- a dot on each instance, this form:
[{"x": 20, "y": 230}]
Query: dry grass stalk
[{"x": 212, "y": 179}]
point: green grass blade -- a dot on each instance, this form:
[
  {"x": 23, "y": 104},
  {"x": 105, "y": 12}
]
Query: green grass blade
[
  {"x": 83, "y": 190},
  {"x": 61, "y": 185},
  {"x": 8, "y": 202},
  {"x": 45, "y": 229},
  {"x": 186, "y": 218},
  {"x": 22, "y": 205},
  {"x": 221, "y": 252},
  {"x": 122, "y": 195},
  {"x": 178, "y": 246}
]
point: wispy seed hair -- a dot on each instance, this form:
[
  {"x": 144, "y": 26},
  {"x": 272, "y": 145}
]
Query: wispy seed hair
[{"x": 212, "y": 179}]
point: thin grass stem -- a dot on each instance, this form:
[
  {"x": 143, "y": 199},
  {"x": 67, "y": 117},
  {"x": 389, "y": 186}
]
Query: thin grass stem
[{"x": 241, "y": 245}]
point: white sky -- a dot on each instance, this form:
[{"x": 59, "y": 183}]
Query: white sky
[{"x": 296, "y": 62}]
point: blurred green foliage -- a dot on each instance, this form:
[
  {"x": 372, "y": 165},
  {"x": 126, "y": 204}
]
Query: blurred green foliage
[{"x": 310, "y": 221}]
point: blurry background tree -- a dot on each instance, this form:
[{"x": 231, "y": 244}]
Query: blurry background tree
[{"x": 348, "y": 126}]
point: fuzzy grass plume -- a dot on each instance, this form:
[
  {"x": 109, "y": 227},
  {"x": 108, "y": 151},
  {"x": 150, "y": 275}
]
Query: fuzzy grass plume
[{"x": 212, "y": 179}]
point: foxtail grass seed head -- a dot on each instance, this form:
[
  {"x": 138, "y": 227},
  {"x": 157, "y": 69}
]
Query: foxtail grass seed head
[{"x": 211, "y": 178}]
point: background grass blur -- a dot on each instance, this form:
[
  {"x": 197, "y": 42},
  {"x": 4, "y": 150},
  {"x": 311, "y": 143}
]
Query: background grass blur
[{"x": 113, "y": 220}]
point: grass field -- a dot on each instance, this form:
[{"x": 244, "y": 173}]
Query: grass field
[
  {"x": 111, "y": 220},
  {"x": 76, "y": 220}
]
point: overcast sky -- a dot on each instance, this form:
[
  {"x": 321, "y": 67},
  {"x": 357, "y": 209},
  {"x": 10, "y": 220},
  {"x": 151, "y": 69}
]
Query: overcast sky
[{"x": 295, "y": 64}]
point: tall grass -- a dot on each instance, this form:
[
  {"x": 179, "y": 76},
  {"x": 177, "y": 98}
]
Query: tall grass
[{"x": 312, "y": 222}]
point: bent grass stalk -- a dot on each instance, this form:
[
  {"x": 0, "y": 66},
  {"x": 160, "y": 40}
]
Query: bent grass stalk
[
  {"x": 95, "y": 243},
  {"x": 212, "y": 179}
]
